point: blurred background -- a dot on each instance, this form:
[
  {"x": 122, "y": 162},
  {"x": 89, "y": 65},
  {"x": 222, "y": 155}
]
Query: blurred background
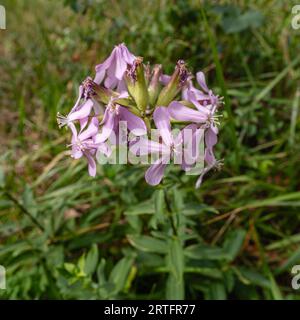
[{"x": 66, "y": 235}]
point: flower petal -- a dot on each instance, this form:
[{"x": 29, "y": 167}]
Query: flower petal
[
  {"x": 92, "y": 168},
  {"x": 100, "y": 74},
  {"x": 126, "y": 54},
  {"x": 121, "y": 65},
  {"x": 155, "y": 173},
  {"x": 83, "y": 122},
  {"x": 83, "y": 112},
  {"x": 162, "y": 121},
  {"x": 107, "y": 127},
  {"x": 71, "y": 125},
  {"x": 201, "y": 80},
  {"x": 135, "y": 124},
  {"x": 105, "y": 149},
  {"x": 91, "y": 130},
  {"x": 180, "y": 112},
  {"x": 111, "y": 81},
  {"x": 209, "y": 157},
  {"x": 144, "y": 146},
  {"x": 192, "y": 98},
  {"x": 101, "y": 68},
  {"x": 164, "y": 79},
  {"x": 210, "y": 138},
  {"x": 192, "y": 145}
]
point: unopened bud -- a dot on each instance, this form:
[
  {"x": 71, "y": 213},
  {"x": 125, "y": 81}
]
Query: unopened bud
[
  {"x": 177, "y": 81},
  {"x": 154, "y": 86},
  {"x": 136, "y": 84}
]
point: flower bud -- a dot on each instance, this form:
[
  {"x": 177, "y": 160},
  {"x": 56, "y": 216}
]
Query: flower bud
[
  {"x": 177, "y": 81},
  {"x": 101, "y": 94},
  {"x": 136, "y": 84},
  {"x": 154, "y": 86},
  {"x": 104, "y": 95}
]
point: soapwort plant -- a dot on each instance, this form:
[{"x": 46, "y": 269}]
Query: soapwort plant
[{"x": 150, "y": 103}]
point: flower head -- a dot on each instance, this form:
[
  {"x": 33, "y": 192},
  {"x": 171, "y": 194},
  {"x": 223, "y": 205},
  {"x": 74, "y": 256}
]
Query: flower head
[
  {"x": 132, "y": 93},
  {"x": 113, "y": 68}
]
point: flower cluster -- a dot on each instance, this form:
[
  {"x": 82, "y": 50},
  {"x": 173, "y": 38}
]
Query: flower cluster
[{"x": 126, "y": 90}]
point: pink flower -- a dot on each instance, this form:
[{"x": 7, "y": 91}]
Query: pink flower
[
  {"x": 83, "y": 144},
  {"x": 203, "y": 115},
  {"x": 114, "y": 67},
  {"x": 83, "y": 106},
  {"x": 115, "y": 113},
  {"x": 205, "y": 96},
  {"x": 171, "y": 147}
]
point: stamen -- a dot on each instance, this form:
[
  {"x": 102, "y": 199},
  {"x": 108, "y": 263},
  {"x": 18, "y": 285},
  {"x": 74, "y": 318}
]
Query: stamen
[
  {"x": 88, "y": 87},
  {"x": 62, "y": 120}
]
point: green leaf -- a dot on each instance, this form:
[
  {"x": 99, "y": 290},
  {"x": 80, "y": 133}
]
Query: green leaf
[
  {"x": 148, "y": 244},
  {"x": 192, "y": 209},
  {"x": 217, "y": 291},
  {"x": 291, "y": 261},
  {"x": 146, "y": 207},
  {"x": 202, "y": 252},
  {"x": 254, "y": 277},
  {"x": 91, "y": 260},
  {"x": 120, "y": 273},
  {"x": 100, "y": 272},
  {"x": 176, "y": 259},
  {"x": 81, "y": 265},
  {"x": 70, "y": 267},
  {"x": 233, "y": 243},
  {"x": 174, "y": 288},
  {"x": 159, "y": 203},
  {"x": 29, "y": 201}
]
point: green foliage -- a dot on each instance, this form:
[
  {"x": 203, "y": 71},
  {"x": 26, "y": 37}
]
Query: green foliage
[{"x": 64, "y": 235}]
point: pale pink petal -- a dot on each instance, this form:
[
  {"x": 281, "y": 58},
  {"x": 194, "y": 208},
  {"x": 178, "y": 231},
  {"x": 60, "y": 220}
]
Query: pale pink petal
[
  {"x": 105, "y": 149},
  {"x": 209, "y": 156},
  {"x": 126, "y": 54},
  {"x": 101, "y": 68},
  {"x": 180, "y": 112},
  {"x": 107, "y": 127},
  {"x": 111, "y": 81},
  {"x": 76, "y": 152},
  {"x": 135, "y": 124},
  {"x": 192, "y": 98},
  {"x": 144, "y": 146},
  {"x": 83, "y": 122},
  {"x": 91, "y": 164},
  {"x": 83, "y": 112},
  {"x": 155, "y": 173},
  {"x": 91, "y": 130},
  {"x": 210, "y": 138},
  {"x": 192, "y": 138},
  {"x": 164, "y": 79},
  {"x": 161, "y": 118},
  {"x": 71, "y": 125},
  {"x": 201, "y": 80},
  {"x": 121, "y": 65}
]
